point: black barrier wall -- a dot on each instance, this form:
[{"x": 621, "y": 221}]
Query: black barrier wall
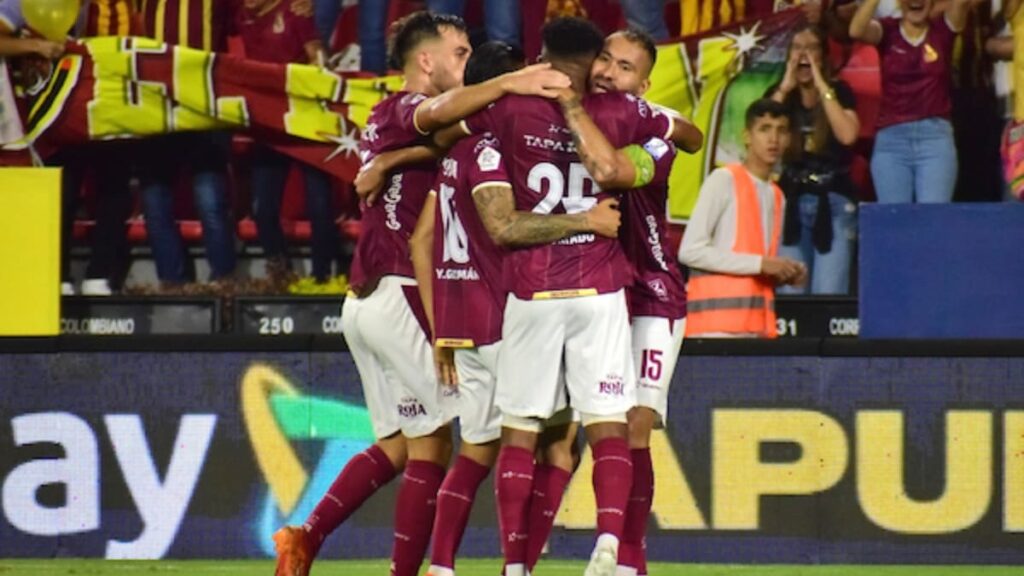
[{"x": 766, "y": 458}]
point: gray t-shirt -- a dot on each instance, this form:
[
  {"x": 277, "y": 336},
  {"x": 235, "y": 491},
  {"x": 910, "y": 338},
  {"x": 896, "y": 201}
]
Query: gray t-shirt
[{"x": 711, "y": 232}]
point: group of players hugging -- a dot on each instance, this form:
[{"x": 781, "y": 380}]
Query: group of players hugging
[{"x": 512, "y": 275}]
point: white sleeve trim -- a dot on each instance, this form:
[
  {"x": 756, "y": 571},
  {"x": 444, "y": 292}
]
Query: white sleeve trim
[
  {"x": 465, "y": 127},
  {"x": 416, "y": 124},
  {"x": 491, "y": 184}
]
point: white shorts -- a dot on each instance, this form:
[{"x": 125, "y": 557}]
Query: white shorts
[
  {"x": 479, "y": 418},
  {"x": 656, "y": 344},
  {"x": 587, "y": 337},
  {"x": 395, "y": 361}
]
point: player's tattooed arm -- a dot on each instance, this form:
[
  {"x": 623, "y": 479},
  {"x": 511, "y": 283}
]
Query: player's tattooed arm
[
  {"x": 514, "y": 228},
  {"x": 609, "y": 167},
  {"x": 372, "y": 175}
]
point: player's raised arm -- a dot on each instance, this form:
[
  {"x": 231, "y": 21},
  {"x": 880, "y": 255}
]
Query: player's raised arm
[
  {"x": 455, "y": 105},
  {"x": 511, "y": 228}
]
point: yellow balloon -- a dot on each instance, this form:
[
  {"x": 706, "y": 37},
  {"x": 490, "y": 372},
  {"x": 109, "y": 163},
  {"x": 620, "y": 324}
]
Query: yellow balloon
[{"x": 51, "y": 18}]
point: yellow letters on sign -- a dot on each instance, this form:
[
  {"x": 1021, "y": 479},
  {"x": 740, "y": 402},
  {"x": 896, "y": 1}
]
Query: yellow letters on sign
[
  {"x": 123, "y": 107},
  {"x": 307, "y": 117},
  {"x": 739, "y": 476},
  {"x": 30, "y": 251},
  {"x": 880, "y": 473}
]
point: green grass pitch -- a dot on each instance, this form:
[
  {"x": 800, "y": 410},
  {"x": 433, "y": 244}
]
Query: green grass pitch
[{"x": 465, "y": 568}]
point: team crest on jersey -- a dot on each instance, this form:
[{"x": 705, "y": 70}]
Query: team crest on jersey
[
  {"x": 450, "y": 167},
  {"x": 279, "y": 24},
  {"x": 489, "y": 159},
  {"x": 659, "y": 289}
]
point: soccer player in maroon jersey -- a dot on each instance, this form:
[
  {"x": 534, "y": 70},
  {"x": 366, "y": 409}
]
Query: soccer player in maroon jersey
[
  {"x": 567, "y": 309},
  {"x": 382, "y": 317},
  {"x": 459, "y": 274},
  {"x": 658, "y": 296}
]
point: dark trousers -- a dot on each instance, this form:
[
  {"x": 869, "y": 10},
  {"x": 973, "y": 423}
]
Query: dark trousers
[{"x": 269, "y": 174}]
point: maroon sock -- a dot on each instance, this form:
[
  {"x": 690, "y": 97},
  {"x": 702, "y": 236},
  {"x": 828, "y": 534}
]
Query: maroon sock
[
  {"x": 613, "y": 478},
  {"x": 454, "y": 502},
  {"x": 414, "y": 515},
  {"x": 549, "y": 484},
  {"x": 364, "y": 474},
  {"x": 513, "y": 486},
  {"x": 631, "y": 548}
]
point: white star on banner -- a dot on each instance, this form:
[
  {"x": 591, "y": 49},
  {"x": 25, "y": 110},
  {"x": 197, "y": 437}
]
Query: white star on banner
[
  {"x": 348, "y": 144},
  {"x": 745, "y": 42}
]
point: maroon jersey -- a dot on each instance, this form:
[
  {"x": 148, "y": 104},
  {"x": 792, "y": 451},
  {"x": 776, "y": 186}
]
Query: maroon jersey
[
  {"x": 383, "y": 247},
  {"x": 278, "y": 36},
  {"x": 916, "y": 80},
  {"x": 548, "y": 178},
  {"x": 659, "y": 289},
  {"x": 469, "y": 291},
  {"x": 200, "y": 24}
]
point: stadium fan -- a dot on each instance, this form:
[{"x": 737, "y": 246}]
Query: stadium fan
[
  {"x": 203, "y": 25},
  {"x": 109, "y": 161},
  {"x": 384, "y": 330},
  {"x": 731, "y": 242},
  {"x": 821, "y": 211},
  {"x": 915, "y": 157},
  {"x": 274, "y": 31},
  {"x": 647, "y": 16}
]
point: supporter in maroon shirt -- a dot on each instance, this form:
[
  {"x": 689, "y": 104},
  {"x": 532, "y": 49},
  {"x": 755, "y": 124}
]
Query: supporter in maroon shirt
[
  {"x": 273, "y": 32},
  {"x": 915, "y": 156}
]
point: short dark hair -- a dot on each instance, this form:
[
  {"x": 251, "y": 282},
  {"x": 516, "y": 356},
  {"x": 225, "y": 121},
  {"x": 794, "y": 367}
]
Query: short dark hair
[
  {"x": 641, "y": 37},
  {"x": 492, "y": 59},
  {"x": 570, "y": 38},
  {"x": 407, "y": 33},
  {"x": 765, "y": 107}
]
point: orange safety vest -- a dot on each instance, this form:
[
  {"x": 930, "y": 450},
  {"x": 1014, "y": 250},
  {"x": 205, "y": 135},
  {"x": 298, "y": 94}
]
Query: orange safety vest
[{"x": 737, "y": 304}]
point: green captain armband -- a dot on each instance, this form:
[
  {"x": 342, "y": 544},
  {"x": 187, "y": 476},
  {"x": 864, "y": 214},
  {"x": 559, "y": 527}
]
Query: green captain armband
[{"x": 642, "y": 162}]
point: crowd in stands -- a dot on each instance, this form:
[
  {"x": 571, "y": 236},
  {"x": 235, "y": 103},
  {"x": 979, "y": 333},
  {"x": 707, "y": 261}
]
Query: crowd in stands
[{"x": 936, "y": 138}]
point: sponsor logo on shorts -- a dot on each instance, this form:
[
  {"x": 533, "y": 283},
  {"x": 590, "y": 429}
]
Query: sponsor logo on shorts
[
  {"x": 411, "y": 408},
  {"x": 612, "y": 385}
]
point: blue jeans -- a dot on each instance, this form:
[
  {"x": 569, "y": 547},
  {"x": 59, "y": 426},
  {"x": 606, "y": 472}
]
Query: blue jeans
[
  {"x": 828, "y": 273},
  {"x": 269, "y": 174},
  {"x": 915, "y": 162},
  {"x": 325, "y": 16},
  {"x": 207, "y": 155},
  {"x": 501, "y": 17},
  {"x": 373, "y": 15},
  {"x": 647, "y": 15}
]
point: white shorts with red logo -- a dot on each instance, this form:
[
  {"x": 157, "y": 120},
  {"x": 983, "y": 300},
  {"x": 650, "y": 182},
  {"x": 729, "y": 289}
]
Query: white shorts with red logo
[
  {"x": 586, "y": 337},
  {"x": 395, "y": 362},
  {"x": 656, "y": 344},
  {"x": 479, "y": 418}
]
